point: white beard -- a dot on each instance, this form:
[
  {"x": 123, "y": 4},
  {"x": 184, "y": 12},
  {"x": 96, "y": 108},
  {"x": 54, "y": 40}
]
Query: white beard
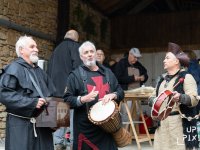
[
  {"x": 90, "y": 63},
  {"x": 34, "y": 58}
]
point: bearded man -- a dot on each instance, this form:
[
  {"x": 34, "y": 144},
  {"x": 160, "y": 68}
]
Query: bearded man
[
  {"x": 23, "y": 102},
  {"x": 86, "y": 85}
]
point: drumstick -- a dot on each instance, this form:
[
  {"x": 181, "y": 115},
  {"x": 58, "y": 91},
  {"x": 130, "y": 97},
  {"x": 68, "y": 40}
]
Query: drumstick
[{"x": 181, "y": 80}]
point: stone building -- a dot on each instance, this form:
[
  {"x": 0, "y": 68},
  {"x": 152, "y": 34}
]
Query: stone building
[{"x": 39, "y": 19}]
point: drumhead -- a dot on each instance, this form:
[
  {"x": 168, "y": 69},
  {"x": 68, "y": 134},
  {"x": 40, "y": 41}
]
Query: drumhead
[
  {"x": 162, "y": 105},
  {"x": 100, "y": 112}
]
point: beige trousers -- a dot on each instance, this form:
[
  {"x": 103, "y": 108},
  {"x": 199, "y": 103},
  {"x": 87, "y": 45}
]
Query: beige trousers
[{"x": 169, "y": 136}]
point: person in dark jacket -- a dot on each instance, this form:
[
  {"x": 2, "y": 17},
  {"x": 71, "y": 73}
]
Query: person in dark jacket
[
  {"x": 64, "y": 59},
  {"x": 87, "y": 85},
  {"x": 194, "y": 70},
  {"x": 130, "y": 72},
  {"x": 194, "y": 67},
  {"x": 23, "y": 102},
  {"x": 112, "y": 63}
]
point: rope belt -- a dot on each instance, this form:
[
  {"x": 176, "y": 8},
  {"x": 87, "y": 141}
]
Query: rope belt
[
  {"x": 32, "y": 120},
  {"x": 189, "y": 118}
]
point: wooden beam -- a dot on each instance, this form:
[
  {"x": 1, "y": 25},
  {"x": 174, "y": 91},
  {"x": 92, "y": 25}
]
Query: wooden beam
[
  {"x": 140, "y": 6},
  {"x": 62, "y": 19},
  {"x": 95, "y": 6},
  {"x": 170, "y": 5},
  {"x": 120, "y": 5},
  {"x": 109, "y": 4}
]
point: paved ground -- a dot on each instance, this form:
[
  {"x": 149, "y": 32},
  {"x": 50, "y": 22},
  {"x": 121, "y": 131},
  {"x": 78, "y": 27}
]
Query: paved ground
[
  {"x": 2, "y": 141},
  {"x": 2, "y": 146},
  {"x": 133, "y": 146}
]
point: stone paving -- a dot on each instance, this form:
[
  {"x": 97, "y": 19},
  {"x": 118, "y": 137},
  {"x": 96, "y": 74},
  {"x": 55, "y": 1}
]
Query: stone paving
[
  {"x": 133, "y": 146},
  {"x": 2, "y": 147}
]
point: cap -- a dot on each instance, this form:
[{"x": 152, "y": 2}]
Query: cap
[
  {"x": 135, "y": 52},
  {"x": 180, "y": 55}
]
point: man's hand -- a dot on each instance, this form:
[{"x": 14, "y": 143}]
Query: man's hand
[
  {"x": 176, "y": 96},
  {"x": 40, "y": 103},
  {"x": 108, "y": 97},
  {"x": 90, "y": 96},
  {"x": 142, "y": 78},
  {"x": 139, "y": 78}
]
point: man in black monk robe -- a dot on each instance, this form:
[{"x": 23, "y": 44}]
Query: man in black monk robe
[
  {"x": 22, "y": 101},
  {"x": 64, "y": 59}
]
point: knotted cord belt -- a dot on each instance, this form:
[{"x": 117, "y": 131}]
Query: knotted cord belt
[
  {"x": 189, "y": 118},
  {"x": 32, "y": 120}
]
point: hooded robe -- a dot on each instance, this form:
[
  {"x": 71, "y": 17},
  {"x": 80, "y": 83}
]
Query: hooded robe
[{"x": 20, "y": 97}]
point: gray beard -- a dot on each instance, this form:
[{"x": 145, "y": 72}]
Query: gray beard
[
  {"x": 34, "y": 58},
  {"x": 90, "y": 63}
]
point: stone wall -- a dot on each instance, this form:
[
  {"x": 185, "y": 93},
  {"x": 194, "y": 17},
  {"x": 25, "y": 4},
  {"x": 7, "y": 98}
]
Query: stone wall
[{"x": 37, "y": 15}]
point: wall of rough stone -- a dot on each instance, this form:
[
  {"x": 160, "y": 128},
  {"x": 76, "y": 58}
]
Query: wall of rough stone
[{"x": 37, "y": 15}]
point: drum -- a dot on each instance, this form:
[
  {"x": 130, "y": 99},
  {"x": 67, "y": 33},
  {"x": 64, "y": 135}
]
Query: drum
[
  {"x": 122, "y": 137},
  {"x": 106, "y": 116},
  {"x": 161, "y": 110}
]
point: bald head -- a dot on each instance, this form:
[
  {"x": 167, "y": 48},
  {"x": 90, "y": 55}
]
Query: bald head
[{"x": 72, "y": 34}]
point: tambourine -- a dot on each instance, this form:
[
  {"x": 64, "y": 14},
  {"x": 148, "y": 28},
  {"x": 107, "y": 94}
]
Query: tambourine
[{"x": 161, "y": 110}]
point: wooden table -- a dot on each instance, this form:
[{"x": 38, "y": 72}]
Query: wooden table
[{"x": 132, "y": 115}]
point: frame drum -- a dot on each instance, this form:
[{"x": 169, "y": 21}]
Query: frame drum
[{"x": 162, "y": 105}]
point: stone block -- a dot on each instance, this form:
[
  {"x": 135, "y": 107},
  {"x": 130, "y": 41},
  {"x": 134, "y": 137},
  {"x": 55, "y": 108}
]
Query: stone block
[
  {"x": 2, "y": 125},
  {"x": 3, "y": 114}
]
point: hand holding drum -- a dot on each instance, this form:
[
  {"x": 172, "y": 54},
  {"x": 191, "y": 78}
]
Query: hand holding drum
[
  {"x": 107, "y": 98},
  {"x": 159, "y": 109}
]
